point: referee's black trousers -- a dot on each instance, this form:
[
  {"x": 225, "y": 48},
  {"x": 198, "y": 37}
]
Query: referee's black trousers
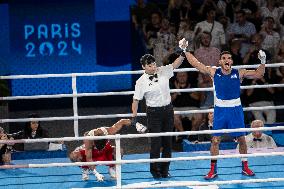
[{"x": 160, "y": 119}]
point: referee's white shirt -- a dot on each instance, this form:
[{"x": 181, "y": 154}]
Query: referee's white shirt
[
  {"x": 266, "y": 141},
  {"x": 157, "y": 94}
]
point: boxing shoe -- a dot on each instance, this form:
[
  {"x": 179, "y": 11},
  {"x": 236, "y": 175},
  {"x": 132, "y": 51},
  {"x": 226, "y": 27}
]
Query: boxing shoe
[
  {"x": 246, "y": 170},
  {"x": 212, "y": 173}
]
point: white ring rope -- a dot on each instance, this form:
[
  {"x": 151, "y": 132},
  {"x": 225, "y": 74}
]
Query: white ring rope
[
  {"x": 118, "y": 136},
  {"x": 127, "y": 115},
  {"x": 121, "y": 72},
  {"x": 130, "y": 92},
  {"x": 134, "y": 161}
]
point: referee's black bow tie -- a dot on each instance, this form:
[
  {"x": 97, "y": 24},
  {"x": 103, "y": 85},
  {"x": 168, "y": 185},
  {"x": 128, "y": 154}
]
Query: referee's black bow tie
[
  {"x": 257, "y": 139},
  {"x": 153, "y": 76}
]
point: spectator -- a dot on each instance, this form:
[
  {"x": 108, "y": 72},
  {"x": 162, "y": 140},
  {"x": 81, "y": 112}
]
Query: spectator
[
  {"x": 243, "y": 30},
  {"x": 227, "y": 9},
  {"x": 185, "y": 31},
  {"x": 225, "y": 23},
  {"x": 235, "y": 47},
  {"x": 257, "y": 139},
  {"x": 5, "y": 149},
  {"x": 280, "y": 54},
  {"x": 178, "y": 10},
  {"x": 273, "y": 10},
  {"x": 262, "y": 97},
  {"x": 207, "y": 54},
  {"x": 208, "y": 5},
  {"x": 206, "y": 125},
  {"x": 33, "y": 129},
  {"x": 251, "y": 55},
  {"x": 151, "y": 29},
  {"x": 250, "y": 8},
  {"x": 207, "y": 99},
  {"x": 153, "y": 85},
  {"x": 141, "y": 12},
  {"x": 271, "y": 38},
  {"x": 215, "y": 29},
  {"x": 164, "y": 44}
]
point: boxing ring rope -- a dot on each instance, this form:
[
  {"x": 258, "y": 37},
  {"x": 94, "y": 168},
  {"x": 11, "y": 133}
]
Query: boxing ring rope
[
  {"x": 128, "y": 136},
  {"x": 274, "y": 65},
  {"x": 117, "y": 137},
  {"x": 270, "y": 154},
  {"x": 127, "y": 115},
  {"x": 74, "y": 94},
  {"x": 129, "y": 92},
  {"x": 118, "y": 161}
]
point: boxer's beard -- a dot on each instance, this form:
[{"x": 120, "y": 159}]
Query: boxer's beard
[{"x": 100, "y": 144}]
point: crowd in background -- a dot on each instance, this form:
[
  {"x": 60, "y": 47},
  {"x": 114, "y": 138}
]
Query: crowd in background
[{"x": 242, "y": 27}]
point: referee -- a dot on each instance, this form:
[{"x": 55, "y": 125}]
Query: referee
[{"x": 153, "y": 85}]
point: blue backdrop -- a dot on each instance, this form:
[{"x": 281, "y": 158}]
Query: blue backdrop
[{"x": 67, "y": 36}]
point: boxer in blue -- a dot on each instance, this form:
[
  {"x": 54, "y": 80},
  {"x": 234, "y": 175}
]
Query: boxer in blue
[{"x": 228, "y": 111}]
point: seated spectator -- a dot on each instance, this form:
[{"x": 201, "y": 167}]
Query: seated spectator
[
  {"x": 33, "y": 129},
  {"x": 235, "y": 47},
  {"x": 262, "y": 97},
  {"x": 206, "y": 125},
  {"x": 5, "y": 149},
  {"x": 251, "y": 57},
  {"x": 257, "y": 139},
  {"x": 243, "y": 30}
]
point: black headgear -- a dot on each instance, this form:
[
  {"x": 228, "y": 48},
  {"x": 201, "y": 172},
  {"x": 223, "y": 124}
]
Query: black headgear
[{"x": 147, "y": 59}]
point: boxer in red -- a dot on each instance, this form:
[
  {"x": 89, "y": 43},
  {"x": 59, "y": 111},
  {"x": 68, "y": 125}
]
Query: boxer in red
[{"x": 100, "y": 150}]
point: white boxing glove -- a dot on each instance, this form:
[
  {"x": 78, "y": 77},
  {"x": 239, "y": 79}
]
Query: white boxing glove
[
  {"x": 140, "y": 128},
  {"x": 183, "y": 43},
  {"x": 99, "y": 176},
  {"x": 262, "y": 56}
]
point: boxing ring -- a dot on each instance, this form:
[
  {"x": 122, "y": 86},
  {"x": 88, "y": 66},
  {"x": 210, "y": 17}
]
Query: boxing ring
[{"x": 186, "y": 172}]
